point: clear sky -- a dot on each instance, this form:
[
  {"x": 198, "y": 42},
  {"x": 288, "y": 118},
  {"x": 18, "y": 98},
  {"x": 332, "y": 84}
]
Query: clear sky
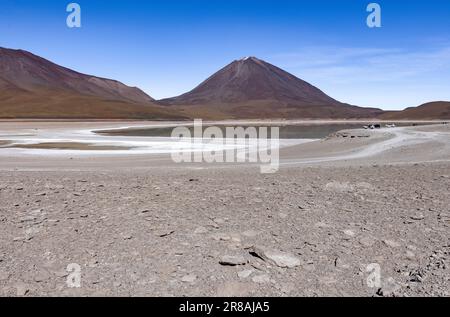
[{"x": 167, "y": 47}]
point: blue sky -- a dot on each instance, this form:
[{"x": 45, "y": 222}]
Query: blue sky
[{"x": 167, "y": 47}]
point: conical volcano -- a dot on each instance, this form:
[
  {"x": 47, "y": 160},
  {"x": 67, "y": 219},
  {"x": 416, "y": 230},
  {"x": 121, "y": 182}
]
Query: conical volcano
[{"x": 253, "y": 88}]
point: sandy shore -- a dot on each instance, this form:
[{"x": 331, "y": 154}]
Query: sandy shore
[{"x": 142, "y": 225}]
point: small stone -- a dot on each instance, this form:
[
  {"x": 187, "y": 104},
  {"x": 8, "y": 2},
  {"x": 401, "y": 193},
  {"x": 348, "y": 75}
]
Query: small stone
[
  {"x": 41, "y": 276},
  {"x": 412, "y": 247},
  {"x": 245, "y": 273},
  {"x": 219, "y": 221},
  {"x": 367, "y": 241},
  {"x": 93, "y": 263},
  {"x": 349, "y": 233},
  {"x": 261, "y": 279},
  {"x": 322, "y": 225},
  {"x": 37, "y": 211},
  {"x": 190, "y": 278},
  {"x": 418, "y": 217},
  {"x": 235, "y": 237},
  {"x": 391, "y": 243},
  {"x": 200, "y": 230},
  {"x": 22, "y": 289},
  {"x": 165, "y": 233},
  {"x": 250, "y": 233},
  {"x": 127, "y": 236},
  {"x": 221, "y": 237},
  {"x": 117, "y": 284},
  {"x": 27, "y": 219},
  {"x": 390, "y": 288},
  {"x": 281, "y": 259},
  {"x": 232, "y": 260}
]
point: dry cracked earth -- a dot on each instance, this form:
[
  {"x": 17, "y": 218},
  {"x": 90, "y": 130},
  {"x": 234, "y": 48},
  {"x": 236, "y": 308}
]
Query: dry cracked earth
[{"x": 309, "y": 231}]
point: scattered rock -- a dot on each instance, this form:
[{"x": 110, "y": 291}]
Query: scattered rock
[
  {"x": 261, "y": 279},
  {"x": 410, "y": 255},
  {"x": 349, "y": 233},
  {"x": 367, "y": 241},
  {"x": 127, "y": 236},
  {"x": 219, "y": 221},
  {"x": 245, "y": 273},
  {"x": 250, "y": 233},
  {"x": 391, "y": 243},
  {"x": 41, "y": 276},
  {"x": 322, "y": 225},
  {"x": 233, "y": 260},
  {"x": 27, "y": 219},
  {"x": 281, "y": 259},
  {"x": 221, "y": 237},
  {"x": 417, "y": 276},
  {"x": 200, "y": 230},
  {"x": 190, "y": 278},
  {"x": 418, "y": 217},
  {"x": 390, "y": 288},
  {"x": 165, "y": 233},
  {"x": 22, "y": 289}
]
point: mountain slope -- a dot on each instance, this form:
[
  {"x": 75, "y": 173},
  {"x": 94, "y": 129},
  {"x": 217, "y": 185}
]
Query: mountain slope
[
  {"x": 33, "y": 87},
  {"x": 25, "y": 71},
  {"x": 429, "y": 111},
  {"x": 252, "y": 88}
]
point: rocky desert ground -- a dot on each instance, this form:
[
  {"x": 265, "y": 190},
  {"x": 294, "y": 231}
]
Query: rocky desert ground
[{"x": 344, "y": 216}]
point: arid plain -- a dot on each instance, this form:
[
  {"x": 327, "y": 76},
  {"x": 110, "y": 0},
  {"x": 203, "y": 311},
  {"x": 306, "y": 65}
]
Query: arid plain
[{"x": 338, "y": 210}]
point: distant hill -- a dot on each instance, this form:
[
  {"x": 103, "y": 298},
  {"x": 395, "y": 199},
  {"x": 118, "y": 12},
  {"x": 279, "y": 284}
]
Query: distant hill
[
  {"x": 33, "y": 87},
  {"x": 430, "y": 111},
  {"x": 252, "y": 88}
]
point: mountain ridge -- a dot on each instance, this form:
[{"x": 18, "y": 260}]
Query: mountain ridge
[{"x": 247, "y": 88}]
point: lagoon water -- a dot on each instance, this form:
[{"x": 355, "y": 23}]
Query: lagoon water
[{"x": 287, "y": 131}]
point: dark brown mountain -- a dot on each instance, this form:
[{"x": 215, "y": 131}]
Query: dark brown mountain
[
  {"x": 430, "y": 111},
  {"x": 252, "y": 88},
  {"x": 33, "y": 87}
]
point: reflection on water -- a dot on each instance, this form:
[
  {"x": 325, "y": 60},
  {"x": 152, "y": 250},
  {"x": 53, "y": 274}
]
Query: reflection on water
[{"x": 291, "y": 131}]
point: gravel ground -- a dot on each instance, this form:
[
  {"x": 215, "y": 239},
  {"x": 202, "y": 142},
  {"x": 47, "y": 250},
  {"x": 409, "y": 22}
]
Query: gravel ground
[{"x": 304, "y": 231}]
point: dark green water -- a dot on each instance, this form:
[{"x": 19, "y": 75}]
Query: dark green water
[{"x": 300, "y": 131}]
